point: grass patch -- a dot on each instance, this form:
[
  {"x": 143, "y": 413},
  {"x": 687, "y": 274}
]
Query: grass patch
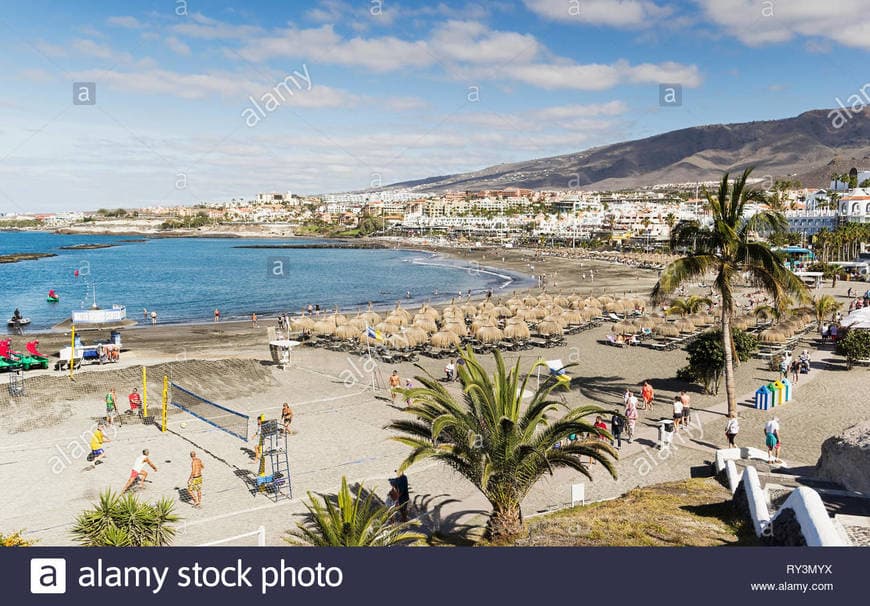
[{"x": 690, "y": 513}]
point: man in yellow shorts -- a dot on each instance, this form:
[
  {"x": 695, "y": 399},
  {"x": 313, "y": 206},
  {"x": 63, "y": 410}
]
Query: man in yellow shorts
[{"x": 194, "y": 482}]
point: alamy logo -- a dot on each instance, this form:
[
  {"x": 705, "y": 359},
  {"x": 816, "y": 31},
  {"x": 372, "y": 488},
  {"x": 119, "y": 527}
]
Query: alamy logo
[{"x": 47, "y": 575}]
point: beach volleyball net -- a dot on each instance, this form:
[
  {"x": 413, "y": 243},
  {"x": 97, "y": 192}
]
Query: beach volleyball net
[{"x": 226, "y": 419}]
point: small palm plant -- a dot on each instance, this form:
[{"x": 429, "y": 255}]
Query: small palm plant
[
  {"x": 124, "y": 521},
  {"x": 498, "y": 443},
  {"x": 825, "y": 306},
  {"x": 690, "y": 305},
  {"x": 352, "y": 520}
]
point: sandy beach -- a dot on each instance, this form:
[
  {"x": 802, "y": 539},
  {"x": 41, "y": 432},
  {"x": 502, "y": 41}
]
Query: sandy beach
[{"x": 339, "y": 418}]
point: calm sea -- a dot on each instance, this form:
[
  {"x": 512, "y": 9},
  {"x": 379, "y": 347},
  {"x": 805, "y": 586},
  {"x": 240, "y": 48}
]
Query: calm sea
[{"x": 185, "y": 279}]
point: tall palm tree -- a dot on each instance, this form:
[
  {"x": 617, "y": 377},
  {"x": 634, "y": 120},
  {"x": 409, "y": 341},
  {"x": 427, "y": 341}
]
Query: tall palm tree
[
  {"x": 496, "y": 441},
  {"x": 124, "y": 521},
  {"x": 728, "y": 249},
  {"x": 351, "y": 520},
  {"x": 825, "y": 306}
]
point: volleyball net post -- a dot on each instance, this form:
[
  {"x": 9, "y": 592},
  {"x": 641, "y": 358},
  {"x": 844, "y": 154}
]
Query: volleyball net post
[
  {"x": 72, "y": 350},
  {"x": 165, "y": 402},
  {"x": 144, "y": 392}
]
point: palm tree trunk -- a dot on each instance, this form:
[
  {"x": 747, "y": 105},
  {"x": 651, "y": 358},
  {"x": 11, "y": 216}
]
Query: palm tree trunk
[
  {"x": 505, "y": 522},
  {"x": 727, "y": 348}
]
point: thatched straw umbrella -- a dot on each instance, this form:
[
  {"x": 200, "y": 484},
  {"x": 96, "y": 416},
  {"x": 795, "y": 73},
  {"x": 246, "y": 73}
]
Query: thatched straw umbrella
[
  {"x": 502, "y": 311},
  {"x": 615, "y": 307},
  {"x": 469, "y": 310},
  {"x": 685, "y": 326},
  {"x": 416, "y": 335},
  {"x": 302, "y": 323},
  {"x": 517, "y": 330},
  {"x": 604, "y": 300},
  {"x": 358, "y": 323},
  {"x": 549, "y": 328},
  {"x": 489, "y": 334},
  {"x": 514, "y": 302},
  {"x": 624, "y": 328},
  {"x": 648, "y": 322},
  {"x": 399, "y": 311},
  {"x": 572, "y": 316},
  {"x": 323, "y": 328},
  {"x": 347, "y": 331},
  {"x": 667, "y": 330},
  {"x": 426, "y": 325},
  {"x": 398, "y": 319},
  {"x": 388, "y": 328},
  {"x": 530, "y": 301},
  {"x": 771, "y": 335},
  {"x": 338, "y": 319},
  {"x": 365, "y": 339},
  {"x": 539, "y": 312},
  {"x": 556, "y": 318},
  {"x": 452, "y": 310},
  {"x": 742, "y": 322},
  {"x": 561, "y": 301},
  {"x": 370, "y": 316},
  {"x": 398, "y": 341},
  {"x": 482, "y": 321},
  {"x": 458, "y": 328},
  {"x": 430, "y": 312},
  {"x": 445, "y": 339}
]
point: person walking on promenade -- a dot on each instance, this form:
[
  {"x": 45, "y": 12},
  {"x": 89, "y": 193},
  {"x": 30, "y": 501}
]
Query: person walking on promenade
[
  {"x": 631, "y": 415},
  {"x": 286, "y": 416},
  {"x": 617, "y": 423},
  {"x": 137, "y": 472},
  {"x": 647, "y": 395},
  {"x": 395, "y": 381},
  {"x": 732, "y": 428},
  {"x": 194, "y": 481},
  {"x": 772, "y": 440},
  {"x": 687, "y": 407},
  {"x": 678, "y": 413}
]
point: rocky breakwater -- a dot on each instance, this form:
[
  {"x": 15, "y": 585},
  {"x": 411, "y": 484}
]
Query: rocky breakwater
[{"x": 845, "y": 458}]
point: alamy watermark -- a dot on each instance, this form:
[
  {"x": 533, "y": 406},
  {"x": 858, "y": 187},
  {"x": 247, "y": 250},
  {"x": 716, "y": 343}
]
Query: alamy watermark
[{"x": 279, "y": 94}]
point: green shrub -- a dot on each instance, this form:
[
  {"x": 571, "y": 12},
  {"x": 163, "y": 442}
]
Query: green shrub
[
  {"x": 707, "y": 357},
  {"x": 855, "y": 346}
]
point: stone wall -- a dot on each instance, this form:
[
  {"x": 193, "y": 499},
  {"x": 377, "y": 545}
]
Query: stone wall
[{"x": 845, "y": 458}]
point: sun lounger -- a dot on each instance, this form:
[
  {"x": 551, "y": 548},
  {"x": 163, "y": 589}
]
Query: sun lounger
[{"x": 611, "y": 340}]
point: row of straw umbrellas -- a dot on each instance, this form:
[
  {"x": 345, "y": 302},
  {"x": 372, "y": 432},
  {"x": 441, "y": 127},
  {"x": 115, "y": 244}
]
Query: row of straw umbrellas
[{"x": 486, "y": 321}]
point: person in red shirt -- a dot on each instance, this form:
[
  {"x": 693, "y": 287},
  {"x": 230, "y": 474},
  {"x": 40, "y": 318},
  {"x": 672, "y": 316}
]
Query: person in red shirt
[
  {"x": 135, "y": 400},
  {"x": 647, "y": 394},
  {"x": 600, "y": 424}
]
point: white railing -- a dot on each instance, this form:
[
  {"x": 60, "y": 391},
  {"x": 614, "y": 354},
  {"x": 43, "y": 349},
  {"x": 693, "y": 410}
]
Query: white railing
[{"x": 260, "y": 532}]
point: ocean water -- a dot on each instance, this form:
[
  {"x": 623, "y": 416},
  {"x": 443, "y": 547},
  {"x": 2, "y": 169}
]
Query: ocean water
[{"x": 185, "y": 279}]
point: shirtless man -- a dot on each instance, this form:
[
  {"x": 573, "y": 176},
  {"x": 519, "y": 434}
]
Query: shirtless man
[
  {"x": 395, "y": 381},
  {"x": 194, "y": 482}
]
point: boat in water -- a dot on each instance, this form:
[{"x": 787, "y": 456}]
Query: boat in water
[
  {"x": 18, "y": 322},
  {"x": 52, "y": 297}
]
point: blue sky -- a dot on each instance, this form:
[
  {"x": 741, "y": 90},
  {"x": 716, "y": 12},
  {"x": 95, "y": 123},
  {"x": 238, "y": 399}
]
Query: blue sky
[{"x": 384, "y": 91}]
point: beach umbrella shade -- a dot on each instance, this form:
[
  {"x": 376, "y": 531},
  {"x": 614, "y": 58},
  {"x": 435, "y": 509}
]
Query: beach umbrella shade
[
  {"x": 514, "y": 302},
  {"x": 539, "y": 312},
  {"x": 416, "y": 335},
  {"x": 452, "y": 310},
  {"x": 371, "y": 318},
  {"x": 338, "y": 319},
  {"x": 666, "y": 330},
  {"x": 398, "y": 319},
  {"x": 302, "y": 323},
  {"x": 562, "y": 301},
  {"x": 359, "y": 323},
  {"x": 549, "y": 328},
  {"x": 486, "y": 306},
  {"x": 387, "y": 328},
  {"x": 481, "y": 322},
  {"x": 572, "y": 316},
  {"x": 445, "y": 338},
  {"x": 430, "y": 312},
  {"x": 489, "y": 334},
  {"x": 398, "y": 341},
  {"x": 685, "y": 326},
  {"x": 404, "y": 313},
  {"x": 426, "y": 325},
  {"x": 365, "y": 339},
  {"x": 517, "y": 330},
  {"x": 625, "y": 328},
  {"x": 771, "y": 335},
  {"x": 647, "y": 322},
  {"x": 530, "y": 301},
  {"x": 347, "y": 331},
  {"x": 458, "y": 328},
  {"x": 502, "y": 311},
  {"x": 469, "y": 310},
  {"x": 604, "y": 300},
  {"x": 742, "y": 322},
  {"x": 323, "y": 328},
  {"x": 557, "y": 319}
]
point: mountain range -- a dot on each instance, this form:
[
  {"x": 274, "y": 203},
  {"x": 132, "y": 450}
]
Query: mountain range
[{"x": 808, "y": 148}]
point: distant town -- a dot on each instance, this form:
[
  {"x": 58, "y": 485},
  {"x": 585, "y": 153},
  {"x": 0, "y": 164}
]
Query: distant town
[{"x": 641, "y": 218}]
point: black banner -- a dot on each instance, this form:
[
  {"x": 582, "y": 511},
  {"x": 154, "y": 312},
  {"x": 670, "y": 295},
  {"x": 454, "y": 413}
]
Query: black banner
[{"x": 444, "y": 576}]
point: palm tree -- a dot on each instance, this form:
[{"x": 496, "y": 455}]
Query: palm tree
[
  {"x": 494, "y": 441},
  {"x": 351, "y": 520},
  {"x": 825, "y": 306},
  {"x": 728, "y": 250},
  {"x": 124, "y": 521},
  {"x": 690, "y": 305}
]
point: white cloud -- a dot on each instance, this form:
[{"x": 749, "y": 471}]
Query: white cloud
[
  {"x": 206, "y": 28},
  {"x": 604, "y": 76},
  {"x": 614, "y": 13},
  {"x": 177, "y": 46},
  {"x": 756, "y": 23},
  {"x": 322, "y": 44},
  {"x": 404, "y": 104},
  {"x": 125, "y": 21},
  {"x": 473, "y": 42},
  {"x": 101, "y": 51}
]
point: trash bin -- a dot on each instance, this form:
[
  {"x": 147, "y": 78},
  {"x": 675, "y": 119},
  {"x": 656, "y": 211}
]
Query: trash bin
[
  {"x": 786, "y": 390},
  {"x": 775, "y": 393},
  {"x": 666, "y": 433},
  {"x": 780, "y": 396},
  {"x": 115, "y": 337},
  {"x": 763, "y": 398}
]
